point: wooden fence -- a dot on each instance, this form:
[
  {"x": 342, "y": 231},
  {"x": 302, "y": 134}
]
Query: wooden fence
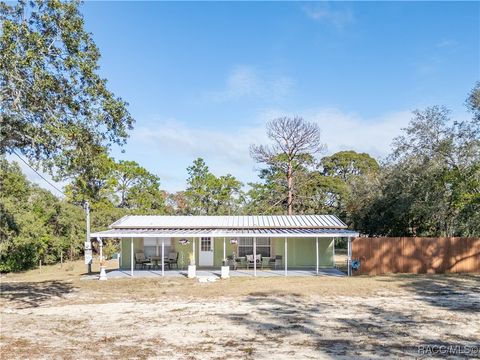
[{"x": 416, "y": 255}]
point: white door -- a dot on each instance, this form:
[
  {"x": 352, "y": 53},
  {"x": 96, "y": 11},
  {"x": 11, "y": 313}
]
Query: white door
[{"x": 205, "y": 256}]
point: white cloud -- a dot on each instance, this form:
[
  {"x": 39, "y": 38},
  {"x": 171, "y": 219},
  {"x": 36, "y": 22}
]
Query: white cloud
[
  {"x": 447, "y": 43},
  {"x": 227, "y": 151},
  {"x": 247, "y": 82},
  {"x": 323, "y": 12},
  {"x": 169, "y": 146}
]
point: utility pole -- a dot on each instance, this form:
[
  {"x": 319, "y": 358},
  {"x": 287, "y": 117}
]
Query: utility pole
[{"x": 88, "y": 243}]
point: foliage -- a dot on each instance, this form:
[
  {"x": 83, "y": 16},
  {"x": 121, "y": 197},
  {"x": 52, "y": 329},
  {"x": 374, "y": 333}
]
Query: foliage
[
  {"x": 430, "y": 187},
  {"x": 35, "y": 225},
  {"x": 55, "y": 108},
  {"x": 207, "y": 194},
  {"x": 135, "y": 187}
]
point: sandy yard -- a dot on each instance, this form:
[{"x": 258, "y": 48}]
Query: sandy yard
[{"x": 52, "y": 314}]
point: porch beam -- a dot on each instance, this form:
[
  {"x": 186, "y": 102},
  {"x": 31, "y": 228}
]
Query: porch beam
[
  {"x": 163, "y": 257},
  {"x": 131, "y": 256},
  {"x": 316, "y": 254},
  {"x": 286, "y": 256},
  {"x": 254, "y": 256}
]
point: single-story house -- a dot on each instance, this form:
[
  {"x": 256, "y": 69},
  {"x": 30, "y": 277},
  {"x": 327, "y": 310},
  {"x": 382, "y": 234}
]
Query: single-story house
[{"x": 295, "y": 241}]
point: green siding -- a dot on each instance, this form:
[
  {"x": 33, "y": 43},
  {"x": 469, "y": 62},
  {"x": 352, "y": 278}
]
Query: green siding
[
  {"x": 125, "y": 257},
  {"x": 184, "y": 252},
  {"x": 218, "y": 250},
  {"x": 301, "y": 251}
]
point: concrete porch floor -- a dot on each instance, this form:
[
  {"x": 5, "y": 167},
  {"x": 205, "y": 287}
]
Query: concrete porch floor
[{"x": 122, "y": 273}]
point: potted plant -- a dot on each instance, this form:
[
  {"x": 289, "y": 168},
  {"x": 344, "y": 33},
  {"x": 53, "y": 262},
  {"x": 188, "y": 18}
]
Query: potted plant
[{"x": 192, "y": 268}]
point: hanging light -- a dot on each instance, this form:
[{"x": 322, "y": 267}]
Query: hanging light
[
  {"x": 233, "y": 241},
  {"x": 184, "y": 241}
]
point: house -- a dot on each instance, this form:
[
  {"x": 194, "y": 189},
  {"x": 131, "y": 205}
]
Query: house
[{"x": 296, "y": 241}]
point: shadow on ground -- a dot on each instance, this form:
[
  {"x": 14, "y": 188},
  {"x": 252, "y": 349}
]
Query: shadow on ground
[
  {"x": 33, "y": 294},
  {"x": 452, "y": 292},
  {"x": 325, "y": 327}
]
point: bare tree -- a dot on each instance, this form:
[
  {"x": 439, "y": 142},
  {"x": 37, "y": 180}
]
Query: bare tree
[{"x": 295, "y": 142}]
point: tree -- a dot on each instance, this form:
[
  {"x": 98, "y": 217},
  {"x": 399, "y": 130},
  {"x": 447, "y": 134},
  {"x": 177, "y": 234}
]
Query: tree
[
  {"x": 93, "y": 181},
  {"x": 473, "y": 102},
  {"x": 337, "y": 174},
  {"x": 295, "y": 142},
  {"x": 136, "y": 187},
  {"x": 207, "y": 194},
  {"x": 431, "y": 183},
  {"x": 347, "y": 164},
  {"x": 54, "y": 106},
  {"x": 34, "y": 224},
  {"x": 267, "y": 197}
]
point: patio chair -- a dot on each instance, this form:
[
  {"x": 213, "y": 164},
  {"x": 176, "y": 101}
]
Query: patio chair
[
  {"x": 250, "y": 260},
  {"x": 240, "y": 262},
  {"x": 141, "y": 260},
  {"x": 231, "y": 262},
  {"x": 266, "y": 261},
  {"x": 277, "y": 261},
  {"x": 173, "y": 259}
]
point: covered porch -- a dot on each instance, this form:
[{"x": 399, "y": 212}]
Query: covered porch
[{"x": 165, "y": 254}]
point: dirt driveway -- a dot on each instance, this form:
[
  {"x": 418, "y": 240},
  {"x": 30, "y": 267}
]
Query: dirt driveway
[{"x": 59, "y": 316}]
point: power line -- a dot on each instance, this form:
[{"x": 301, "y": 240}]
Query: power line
[{"x": 36, "y": 172}]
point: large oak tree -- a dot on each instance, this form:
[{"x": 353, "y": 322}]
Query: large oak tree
[{"x": 54, "y": 106}]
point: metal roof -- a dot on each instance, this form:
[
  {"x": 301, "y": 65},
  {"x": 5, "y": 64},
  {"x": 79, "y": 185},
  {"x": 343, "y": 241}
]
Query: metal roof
[
  {"x": 230, "y": 222},
  {"x": 180, "y": 232}
]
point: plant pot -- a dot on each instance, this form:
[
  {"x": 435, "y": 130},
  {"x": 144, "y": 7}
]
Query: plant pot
[
  {"x": 192, "y": 271},
  {"x": 225, "y": 272},
  {"x": 103, "y": 273}
]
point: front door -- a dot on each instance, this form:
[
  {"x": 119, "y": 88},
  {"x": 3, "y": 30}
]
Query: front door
[{"x": 205, "y": 257}]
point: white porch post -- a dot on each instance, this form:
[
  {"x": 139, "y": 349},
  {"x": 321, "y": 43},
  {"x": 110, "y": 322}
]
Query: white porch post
[
  {"x": 163, "y": 259},
  {"x": 131, "y": 256},
  {"x": 193, "y": 244},
  {"x": 100, "y": 242},
  {"x": 316, "y": 252},
  {"x": 254, "y": 256},
  {"x": 349, "y": 257},
  {"x": 333, "y": 259},
  {"x": 286, "y": 256},
  {"x": 224, "y": 253}
]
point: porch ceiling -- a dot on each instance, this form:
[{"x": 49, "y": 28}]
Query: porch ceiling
[{"x": 272, "y": 232}]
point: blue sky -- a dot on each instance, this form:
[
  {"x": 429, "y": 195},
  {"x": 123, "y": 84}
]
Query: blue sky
[{"x": 203, "y": 78}]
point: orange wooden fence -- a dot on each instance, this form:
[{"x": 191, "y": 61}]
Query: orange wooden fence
[{"x": 416, "y": 255}]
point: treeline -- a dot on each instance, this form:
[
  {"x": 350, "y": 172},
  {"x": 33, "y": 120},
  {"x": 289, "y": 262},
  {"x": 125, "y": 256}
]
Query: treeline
[{"x": 57, "y": 112}]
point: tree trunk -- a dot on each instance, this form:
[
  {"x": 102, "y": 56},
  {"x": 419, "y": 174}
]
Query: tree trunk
[{"x": 290, "y": 190}]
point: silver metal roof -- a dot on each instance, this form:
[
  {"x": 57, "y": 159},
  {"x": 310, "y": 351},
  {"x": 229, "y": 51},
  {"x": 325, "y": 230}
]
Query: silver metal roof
[
  {"x": 279, "y": 232},
  {"x": 230, "y": 222}
]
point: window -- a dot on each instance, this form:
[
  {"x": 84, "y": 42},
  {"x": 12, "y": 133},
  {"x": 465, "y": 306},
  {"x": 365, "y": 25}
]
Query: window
[
  {"x": 206, "y": 244},
  {"x": 245, "y": 246},
  {"x": 153, "y": 246}
]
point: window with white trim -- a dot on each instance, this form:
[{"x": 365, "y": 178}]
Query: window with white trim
[
  {"x": 153, "y": 246},
  {"x": 206, "y": 244},
  {"x": 245, "y": 246}
]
